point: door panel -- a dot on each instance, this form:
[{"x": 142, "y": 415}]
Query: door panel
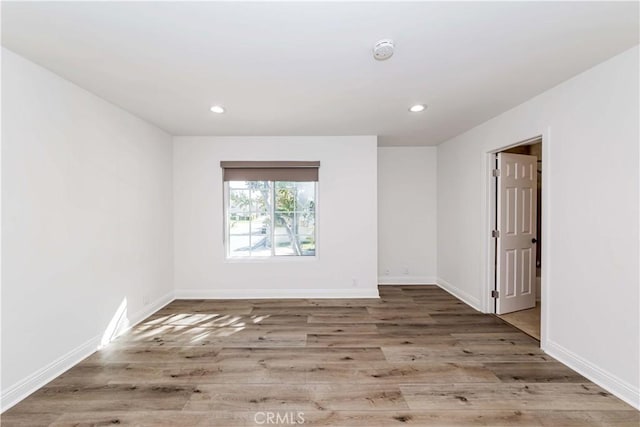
[{"x": 516, "y": 221}]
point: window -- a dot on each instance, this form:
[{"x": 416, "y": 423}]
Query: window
[{"x": 270, "y": 217}]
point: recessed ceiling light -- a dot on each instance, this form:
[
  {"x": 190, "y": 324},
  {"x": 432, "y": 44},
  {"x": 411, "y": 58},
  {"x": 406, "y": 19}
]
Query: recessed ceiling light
[
  {"x": 417, "y": 108},
  {"x": 218, "y": 109}
]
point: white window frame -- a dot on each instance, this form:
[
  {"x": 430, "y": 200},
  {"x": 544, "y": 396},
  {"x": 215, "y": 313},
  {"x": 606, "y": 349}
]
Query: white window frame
[{"x": 273, "y": 257}]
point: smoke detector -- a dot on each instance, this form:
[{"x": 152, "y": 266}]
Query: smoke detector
[{"x": 383, "y": 49}]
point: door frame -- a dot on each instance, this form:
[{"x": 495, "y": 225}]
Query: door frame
[{"x": 490, "y": 217}]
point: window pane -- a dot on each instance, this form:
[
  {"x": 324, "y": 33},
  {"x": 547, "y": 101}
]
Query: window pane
[
  {"x": 260, "y": 200},
  {"x": 297, "y": 222},
  {"x": 260, "y": 245},
  {"x": 260, "y": 224},
  {"x": 307, "y": 245},
  {"x": 286, "y": 196},
  {"x": 239, "y": 223},
  {"x": 301, "y": 246},
  {"x": 238, "y": 184},
  {"x": 238, "y": 201},
  {"x": 283, "y": 222},
  {"x": 283, "y": 246},
  {"x": 305, "y": 223},
  {"x": 281, "y": 230},
  {"x": 305, "y": 196},
  {"x": 260, "y": 196},
  {"x": 239, "y": 246}
]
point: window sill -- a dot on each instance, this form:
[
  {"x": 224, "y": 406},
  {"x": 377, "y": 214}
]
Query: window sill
[{"x": 268, "y": 260}]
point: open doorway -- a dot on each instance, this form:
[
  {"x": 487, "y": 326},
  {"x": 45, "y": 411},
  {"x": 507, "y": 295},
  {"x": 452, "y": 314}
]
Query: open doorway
[{"x": 518, "y": 236}]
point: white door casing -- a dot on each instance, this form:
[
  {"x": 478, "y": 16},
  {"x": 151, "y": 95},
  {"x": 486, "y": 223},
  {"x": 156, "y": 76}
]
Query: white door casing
[{"x": 516, "y": 222}]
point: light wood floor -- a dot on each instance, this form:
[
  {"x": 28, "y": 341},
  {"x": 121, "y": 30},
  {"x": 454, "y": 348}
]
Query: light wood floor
[
  {"x": 417, "y": 356},
  {"x": 526, "y": 320}
]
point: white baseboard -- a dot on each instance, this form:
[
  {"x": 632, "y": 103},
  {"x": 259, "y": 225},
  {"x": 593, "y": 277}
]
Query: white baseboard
[
  {"x": 606, "y": 380},
  {"x": 406, "y": 280},
  {"x": 275, "y": 293},
  {"x": 44, "y": 375},
  {"x": 459, "y": 293}
]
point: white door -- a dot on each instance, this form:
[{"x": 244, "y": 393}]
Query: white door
[{"x": 516, "y": 241}]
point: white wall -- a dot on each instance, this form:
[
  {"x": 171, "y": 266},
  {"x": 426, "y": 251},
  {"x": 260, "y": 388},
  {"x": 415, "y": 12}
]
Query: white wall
[
  {"x": 86, "y": 222},
  {"x": 346, "y": 225},
  {"x": 407, "y": 214},
  {"x": 590, "y": 217}
]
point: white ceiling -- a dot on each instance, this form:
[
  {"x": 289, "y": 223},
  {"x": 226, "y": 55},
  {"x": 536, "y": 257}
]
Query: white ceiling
[{"x": 307, "y": 68}]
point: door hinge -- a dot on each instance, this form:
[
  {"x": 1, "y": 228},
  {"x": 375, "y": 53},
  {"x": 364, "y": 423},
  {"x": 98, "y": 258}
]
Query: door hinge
[
  {"x": 495, "y": 294},
  {"x": 495, "y": 233},
  {"x": 495, "y": 172}
]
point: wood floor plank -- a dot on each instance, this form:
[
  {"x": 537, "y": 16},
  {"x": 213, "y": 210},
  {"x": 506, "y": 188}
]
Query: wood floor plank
[
  {"x": 348, "y": 318},
  {"x": 465, "y": 318},
  {"x": 29, "y": 419},
  {"x": 297, "y": 397},
  {"x": 223, "y": 336},
  {"x": 549, "y": 371},
  {"x": 400, "y": 315},
  {"x": 457, "y": 352},
  {"x": 432, "y": 373},
  {"x": 353, "y": 302},
  {"x": 443, "y": 329},
  {"x": 275, "y": 372},
  {"x": 510, "y": 335},
  {"x": 511, "y": 396},
  {"x": 375, "y": 340},
  {"x": 146, "y": 354},
  {"x": 623, "y": 418},
  {"x": 108, "y": 397},
  {"x": 164, "y": 418},
  {"x": 228, "y": 356},
  {"x": 415, "y": 356},
  {"x": 314, "y": 310},
  {"x": 302, "y": 355}
]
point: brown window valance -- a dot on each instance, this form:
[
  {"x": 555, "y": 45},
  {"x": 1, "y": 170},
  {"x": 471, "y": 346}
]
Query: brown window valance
[{"x": 270, "y": 171}]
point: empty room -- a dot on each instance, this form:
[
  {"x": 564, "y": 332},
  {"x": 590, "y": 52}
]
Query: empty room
[{"x": 320, "y": 213}]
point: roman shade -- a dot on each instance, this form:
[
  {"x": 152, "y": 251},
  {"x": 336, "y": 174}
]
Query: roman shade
[{"x": 270, "y": 171}]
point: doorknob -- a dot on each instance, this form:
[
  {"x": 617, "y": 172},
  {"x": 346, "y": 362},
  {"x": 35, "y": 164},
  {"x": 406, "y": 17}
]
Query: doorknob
[{"x": 534, "y": 240}]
